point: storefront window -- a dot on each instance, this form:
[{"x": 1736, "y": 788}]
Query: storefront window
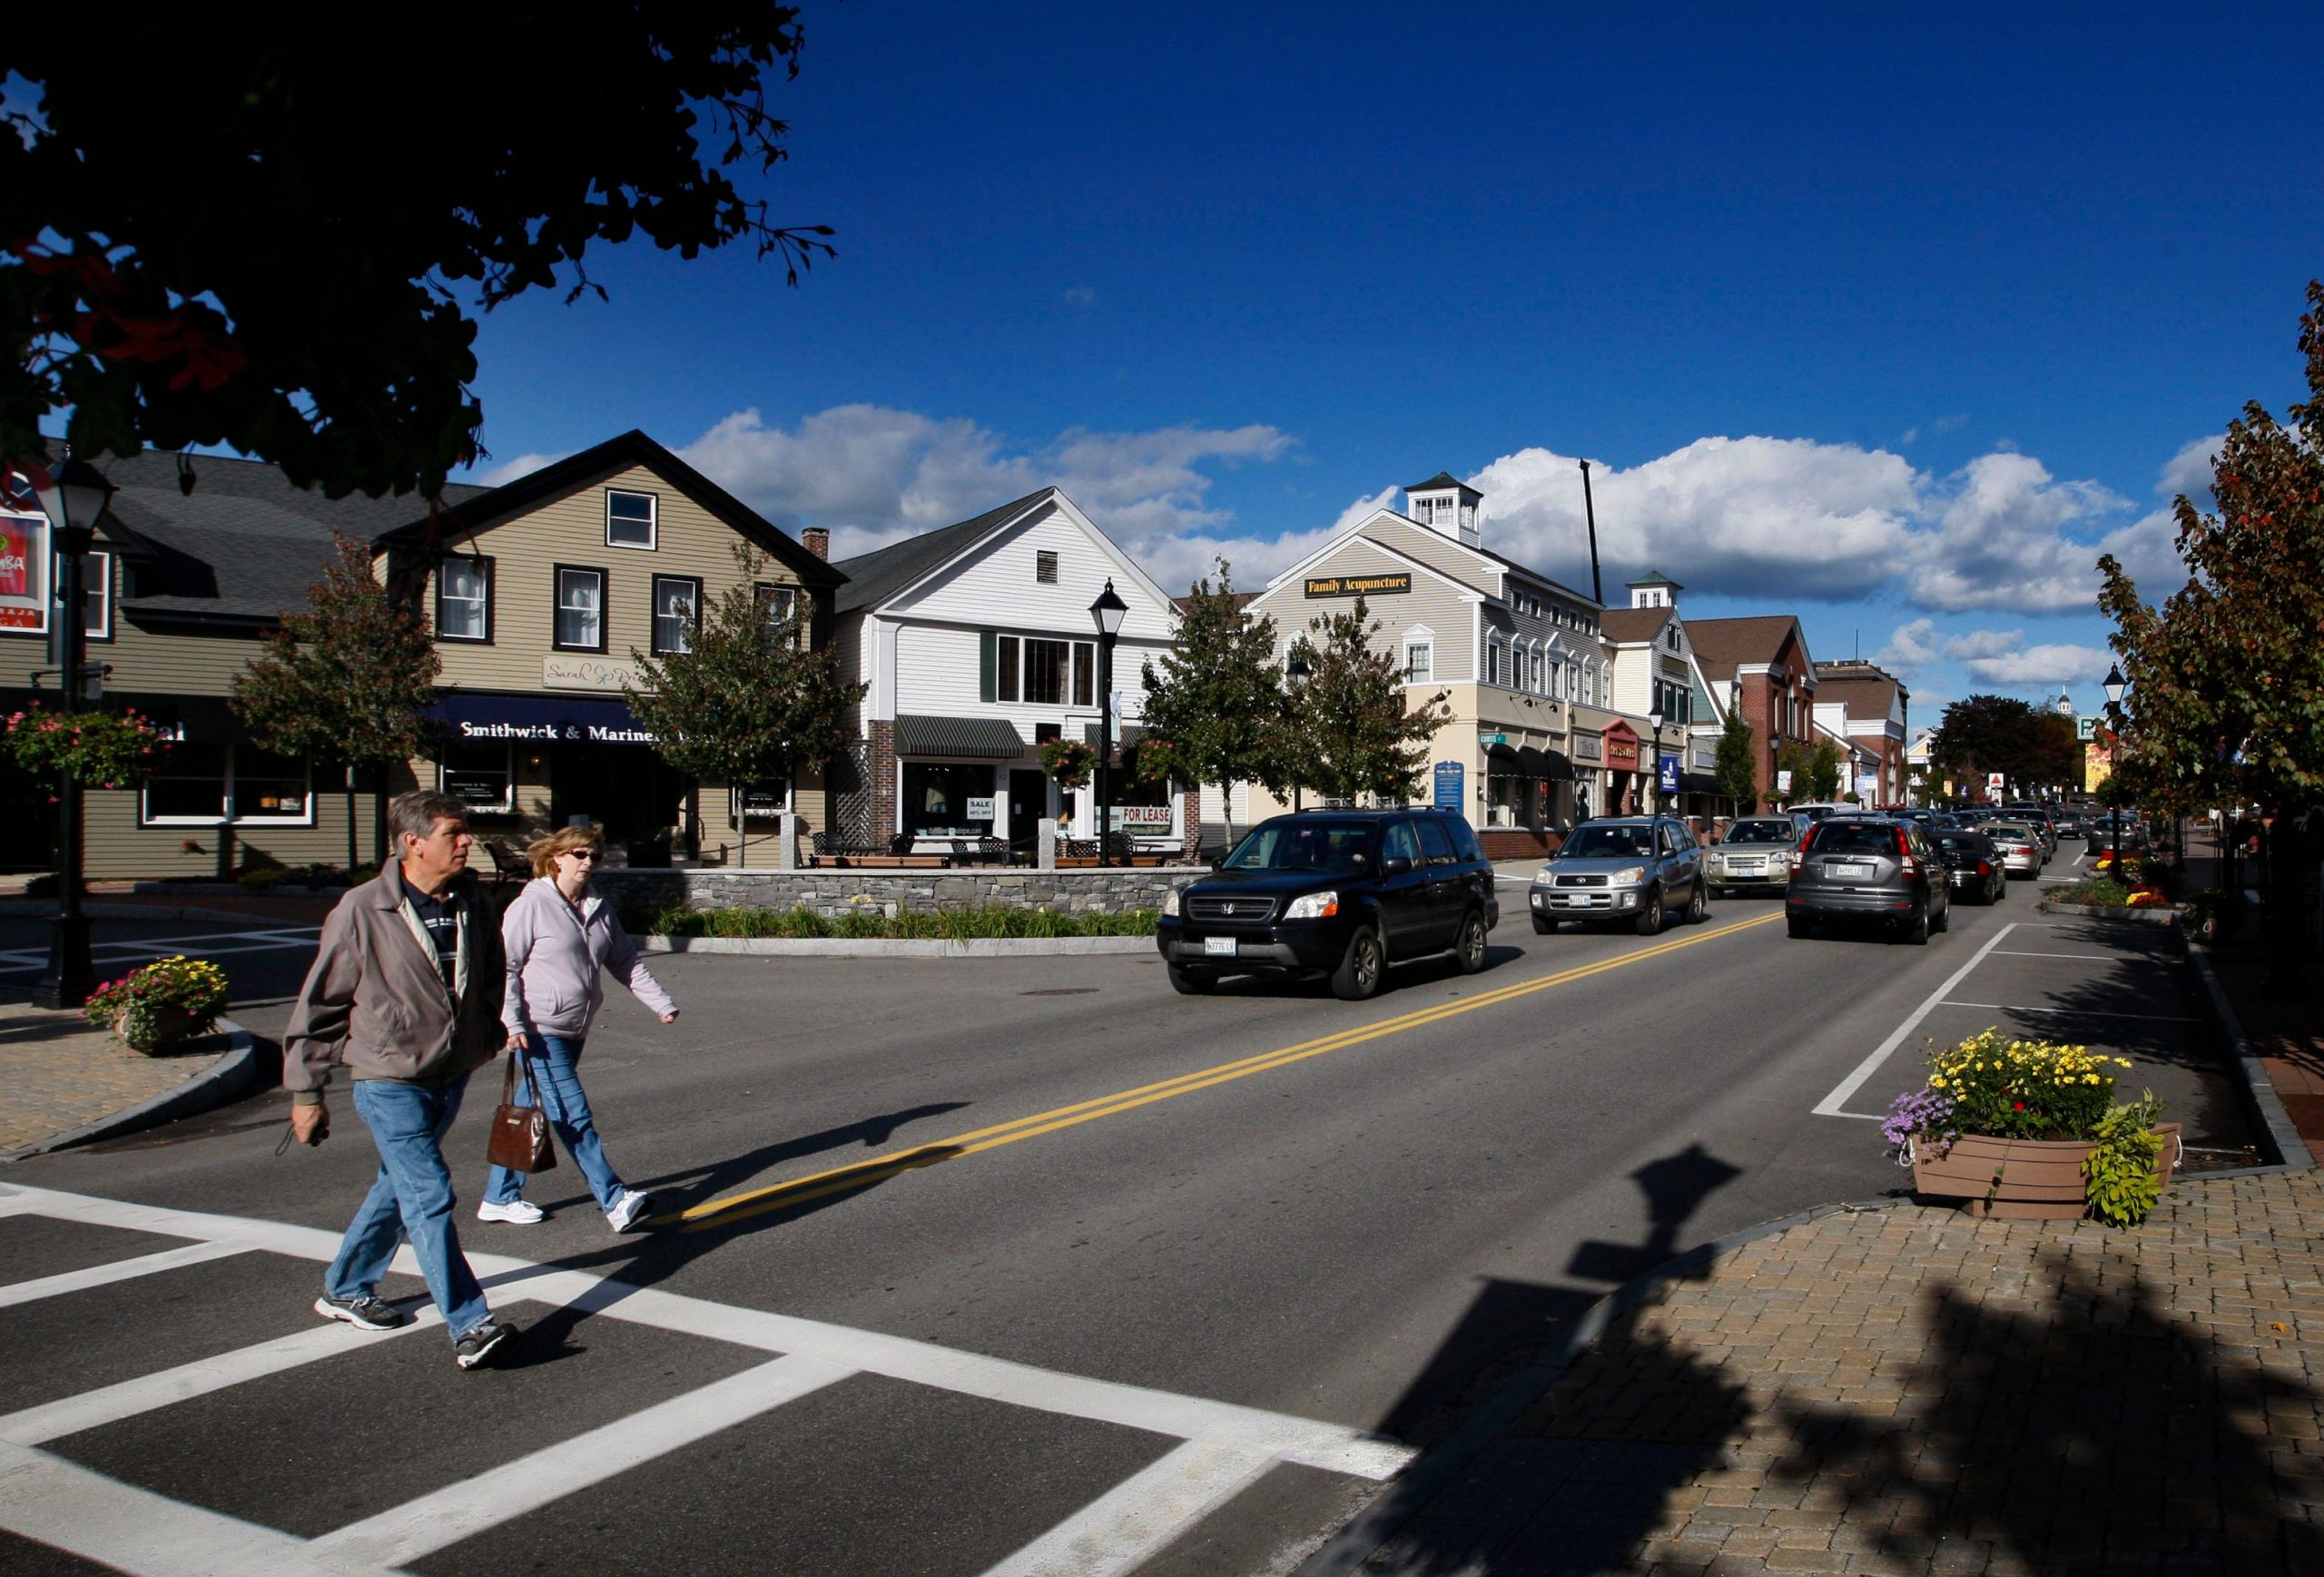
[
  {"x": 948, "y": 799},
  {"x": 1140, "y": 809},
  {"x": 477, "y": 776},
  {"x": 209, "y": 784},
  {"x": 190, "y": 787}
]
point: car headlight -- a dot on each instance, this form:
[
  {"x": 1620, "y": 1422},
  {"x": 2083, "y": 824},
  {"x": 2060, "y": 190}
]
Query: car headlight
[
  {"x": 1314, "y": 906},
  {"x": 1629, "y": 876},
  {"x": 1170, "y": 903}
]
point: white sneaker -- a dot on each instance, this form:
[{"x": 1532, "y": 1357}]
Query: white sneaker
[
  {"x": 627, "y": 1210},
  {"x": 515, "y": 1212}
]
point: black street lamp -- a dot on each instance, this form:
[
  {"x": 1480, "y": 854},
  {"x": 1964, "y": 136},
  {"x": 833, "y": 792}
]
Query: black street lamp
[
  {"x": 1298, "y": 671},
  {"x": 73, "y": 497},
  {"x": 1108, "y": 612},
  {"x": 2116, "y": 688},
  {"x": 1654, "y": 728}
]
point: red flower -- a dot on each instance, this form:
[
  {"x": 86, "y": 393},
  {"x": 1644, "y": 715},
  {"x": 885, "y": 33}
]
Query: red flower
[{"x": 2019, "y": 1106}]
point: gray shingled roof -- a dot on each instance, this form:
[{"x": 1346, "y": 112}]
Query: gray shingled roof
[{"x": 875, "y": 577}]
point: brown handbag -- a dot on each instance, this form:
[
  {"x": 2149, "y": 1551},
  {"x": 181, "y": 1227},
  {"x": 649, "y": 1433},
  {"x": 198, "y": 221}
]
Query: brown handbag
[{"x": 520, "y": 1133}]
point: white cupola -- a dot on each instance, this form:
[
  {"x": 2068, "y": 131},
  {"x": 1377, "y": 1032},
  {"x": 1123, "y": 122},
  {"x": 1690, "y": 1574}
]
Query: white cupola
[
  {"x": 1447, "y": 505},
  {"x": 1655, "y": 589}
]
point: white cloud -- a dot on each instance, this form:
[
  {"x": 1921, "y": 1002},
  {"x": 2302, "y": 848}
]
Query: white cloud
[
  {"x": 1978, "y": 644},
  {"x": 509, "y": 470},
  {"x": 1999, "y": 539},
  {"x": 1911, "y": 646},
  {"x": 2190, "y": 471},
  {"x": 2047, "y": 665},
  {"x": 874, "y": 474}
]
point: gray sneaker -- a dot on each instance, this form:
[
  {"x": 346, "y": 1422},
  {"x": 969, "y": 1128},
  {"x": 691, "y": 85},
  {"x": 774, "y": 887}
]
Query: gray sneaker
[
  {"x": 471, "y": 1349},
  {"x": 365, "y": 1313}
]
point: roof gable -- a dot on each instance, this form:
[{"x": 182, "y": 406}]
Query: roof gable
[{"x": 877, "y": 577}]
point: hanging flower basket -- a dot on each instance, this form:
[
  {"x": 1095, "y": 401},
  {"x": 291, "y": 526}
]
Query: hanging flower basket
[
  {"x": 169, "y": 1000},
  {"x": 1070, "y": 761}
]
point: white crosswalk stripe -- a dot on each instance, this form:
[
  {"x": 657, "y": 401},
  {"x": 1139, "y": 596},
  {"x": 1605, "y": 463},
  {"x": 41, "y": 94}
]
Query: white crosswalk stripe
[
  {"x": 1223, "y": 1447},
  {"x": 108, "y": 956}
]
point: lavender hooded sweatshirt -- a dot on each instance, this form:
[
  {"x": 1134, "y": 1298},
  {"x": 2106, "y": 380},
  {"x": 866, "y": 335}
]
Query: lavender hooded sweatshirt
[{"x": 557, "y": 954}]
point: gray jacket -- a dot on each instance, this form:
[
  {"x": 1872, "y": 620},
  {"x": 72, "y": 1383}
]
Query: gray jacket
[
  {"x": 556, "y": 956},
  {"x": 375, "y": 1001}
]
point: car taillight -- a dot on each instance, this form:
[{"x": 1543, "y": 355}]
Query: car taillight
[
  {"x": 1984, "y": 868},
  {"x": 1904, "y": 860}
]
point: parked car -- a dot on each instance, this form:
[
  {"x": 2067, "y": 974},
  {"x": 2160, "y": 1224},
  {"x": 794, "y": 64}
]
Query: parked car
[
  {"x": 2100, "y": 833},
  {"x": 1872, "y": 869},
  {"x": 2036, "y": 816},
  {"x": 2020, "y": 846},
  {"x": 1339, "y": 895},
  {"x": 1972, "y": 863},
  {"x": 1753, "y": 855},
  {"x": 1635, "y": 869}
]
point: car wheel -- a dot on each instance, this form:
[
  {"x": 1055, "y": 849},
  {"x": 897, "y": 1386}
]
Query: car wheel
[
  {"x": 1189, "y": 983},
  {"x": 1799, "y": 925},
  {"x": 1698, "y": 906},
  {"x": 1543, "y": 927},
  {"x": 1649, "y": 919},
  {"x": 1360, "y": 968},
  {"x": 1915, "y": 929},
  {"x": 1943, "y": 921},
  {"x": 1470, "y": 952}
]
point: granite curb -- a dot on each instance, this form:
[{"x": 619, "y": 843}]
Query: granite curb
[
  {"x": 2252, "y": 1073},
  {"x": 900, "y": 947},
  {"x": 233, "y": 1076},
  {"x": 1437, "y": 1467},
  {"x": 2154, "y": 914}
]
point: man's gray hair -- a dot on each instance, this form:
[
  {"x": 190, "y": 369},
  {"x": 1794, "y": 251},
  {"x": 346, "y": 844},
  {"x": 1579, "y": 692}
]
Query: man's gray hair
[{"x": 414, "y": 814}]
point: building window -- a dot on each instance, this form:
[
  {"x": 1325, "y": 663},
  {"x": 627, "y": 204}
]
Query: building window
[
  {"x": 464, "y": 599},
  {"x": 777, "y": 605},
  {"x": 1085, "y": 674},
  {"x": 206, "y": 785},
  {"x": 1045, "y": 567},
  {"x": 96, "y": 596},
  {"x": 1420, "y": 661},
  {"x": 1045, "y": 673},
  {"x": 479, "y": 776},
  {"x": 947, "y": 800},
  {"x": 677, "y": 613},
  {"x": 1540, "y": 681},
  {"x": 1036, "y": 672},
  {"x": 632, "y": 519},
  {"x": 580, "y": 609},
  {"x": 1493, "y": 672}
]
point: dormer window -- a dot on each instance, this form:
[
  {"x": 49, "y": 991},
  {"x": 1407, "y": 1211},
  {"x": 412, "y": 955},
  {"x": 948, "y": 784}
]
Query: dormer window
[{"x": 632, "y": 519}]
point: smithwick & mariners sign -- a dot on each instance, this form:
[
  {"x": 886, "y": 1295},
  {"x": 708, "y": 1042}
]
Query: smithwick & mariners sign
[{"x": 1358, "y": 585}]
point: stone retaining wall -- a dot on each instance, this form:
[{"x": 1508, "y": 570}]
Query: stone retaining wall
[{"x": 833, "y": 893}]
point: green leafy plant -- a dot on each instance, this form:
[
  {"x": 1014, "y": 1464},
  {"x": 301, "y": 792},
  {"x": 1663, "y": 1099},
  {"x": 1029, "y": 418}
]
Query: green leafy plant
[
  {"x": 2119, "y": 1174},
  {"x": 99, "y": 749},
  {"x": 867, "y": 924},
  {"x": 1068, "y": 761},
  {"x": 265, "y": 879},
  {"x": 141, "y": 1007},
  {"x": 2023, "y": 1088}
]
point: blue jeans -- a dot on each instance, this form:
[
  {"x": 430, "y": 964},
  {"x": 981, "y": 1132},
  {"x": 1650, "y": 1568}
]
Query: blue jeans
[
  {"x": 559, "y": 1079},
  {"x": 410, "y": 1199}
]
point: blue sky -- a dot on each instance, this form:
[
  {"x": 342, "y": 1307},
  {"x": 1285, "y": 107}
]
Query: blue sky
[{"x": 1892, "y": 322}]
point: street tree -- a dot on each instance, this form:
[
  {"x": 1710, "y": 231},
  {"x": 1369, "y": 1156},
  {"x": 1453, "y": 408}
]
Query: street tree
[
  {"x": 2027, "y": 745},
  {"x": 1736, "y": 770},
  {"x": 259, "y": 237},
  {"x": 750, "y": 701},
  {"x": 348, "y": 681},
  {"x": 1353, "y": 733},
  {"x": 1795, "y": 757},
  {"x": 1824, "y": 771},
  {"x": 1214, "y": 702},
  {"x": 2227, "y": 676}
]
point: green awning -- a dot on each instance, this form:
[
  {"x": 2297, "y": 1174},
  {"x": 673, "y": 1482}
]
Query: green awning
[
  {"x": 978, "y": 738},
  {"x": 1129, "y": 734}
]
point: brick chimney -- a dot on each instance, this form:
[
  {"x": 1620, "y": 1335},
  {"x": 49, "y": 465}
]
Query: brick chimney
[{"x": 818, "y": 541}]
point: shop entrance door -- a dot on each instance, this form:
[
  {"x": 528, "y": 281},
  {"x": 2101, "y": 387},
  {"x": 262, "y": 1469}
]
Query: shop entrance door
[
  {"x": 1029, "y": 802},
  {"x": 634, "y": 795}
]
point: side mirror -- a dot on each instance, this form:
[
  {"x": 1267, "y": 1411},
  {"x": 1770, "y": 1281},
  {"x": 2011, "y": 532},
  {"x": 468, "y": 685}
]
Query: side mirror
[{"x": 1395, "y": 865}]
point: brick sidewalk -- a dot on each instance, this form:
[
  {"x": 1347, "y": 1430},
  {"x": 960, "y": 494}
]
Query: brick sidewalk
[
  {"x": 1908, "y": 1390},
  {"x": 59, "y": 1072}
]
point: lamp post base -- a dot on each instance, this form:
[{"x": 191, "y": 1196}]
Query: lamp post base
[{"x": 70, "y": 978}]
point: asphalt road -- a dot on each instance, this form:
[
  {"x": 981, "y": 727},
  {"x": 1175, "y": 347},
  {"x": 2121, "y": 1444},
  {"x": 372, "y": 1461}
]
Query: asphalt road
[{"x": 1123, "y": 1281}]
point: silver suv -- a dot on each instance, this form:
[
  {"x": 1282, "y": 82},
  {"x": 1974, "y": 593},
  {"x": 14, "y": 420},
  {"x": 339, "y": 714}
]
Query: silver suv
[
  {"x": 1754, "y": 855},
  {"x": 1631, "y": 869}
]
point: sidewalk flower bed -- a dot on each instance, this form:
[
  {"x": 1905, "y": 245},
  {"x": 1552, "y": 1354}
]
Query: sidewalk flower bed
[
  {"x": 2030, "y": 1130},
  {"x": 168, "y": 1000},
  {"x": 871, "y": 925}
]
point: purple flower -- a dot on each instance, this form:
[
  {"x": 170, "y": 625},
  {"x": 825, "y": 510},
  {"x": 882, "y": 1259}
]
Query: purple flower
[{"x": 1917, "y": 1111}]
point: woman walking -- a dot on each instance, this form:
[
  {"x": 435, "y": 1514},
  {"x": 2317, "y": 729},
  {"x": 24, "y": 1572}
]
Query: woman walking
[{"x": 561, "y": 936}]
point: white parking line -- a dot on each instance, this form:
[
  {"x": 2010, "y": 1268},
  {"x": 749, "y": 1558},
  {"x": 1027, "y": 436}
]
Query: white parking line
[
  {"x": 1831, "y": 1104},
  {"x": 2074, "y": 1012},
  {"x": 2084, "y": 957},
  {"x": 1226, "y": 1446}
]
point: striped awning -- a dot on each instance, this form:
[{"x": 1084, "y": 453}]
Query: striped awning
[
  {"x": 977, "y": 738},
  {"x": 1699, "y": 782}
]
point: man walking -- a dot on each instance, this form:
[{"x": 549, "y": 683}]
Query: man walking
[{"x": 405, "y": 994}]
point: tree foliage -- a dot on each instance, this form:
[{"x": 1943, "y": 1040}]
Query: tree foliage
[
  {"x": 1351, "y": 733},
  {"x": 1824, "y": 771},
  {"x": 1736, "y": 767},
  {"x": 256, "y": 235},
  {"x": 348, "y": 680},
  {"x": 1794, "y": 756},
  {"x": 752, "y": 701},
  {"x": 2027, "y": 745},
  {"x": 1216, "y": 700},
  {"x": 2227, "y": 675}
]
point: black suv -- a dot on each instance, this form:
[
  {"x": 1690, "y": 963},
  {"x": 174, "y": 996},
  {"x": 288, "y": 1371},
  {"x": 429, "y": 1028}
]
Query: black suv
[{"x": 1339, "y": 894}]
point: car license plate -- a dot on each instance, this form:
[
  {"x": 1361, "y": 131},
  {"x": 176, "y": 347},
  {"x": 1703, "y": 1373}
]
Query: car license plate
[
  {"x": 1218, "y": 947},
  {"x": 1847, "y": 872}
]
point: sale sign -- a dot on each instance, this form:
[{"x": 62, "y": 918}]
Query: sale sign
[{"x": 24, "y": 580}]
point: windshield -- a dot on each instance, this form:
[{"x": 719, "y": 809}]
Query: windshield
[
  {"x": 1759, "y": 832},
  {"x": 1304, "y": 845},
  {"x": 1609, "y": 843}
]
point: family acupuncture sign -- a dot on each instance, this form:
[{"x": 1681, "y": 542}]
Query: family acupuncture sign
[{"x": 1358, "y": 585}]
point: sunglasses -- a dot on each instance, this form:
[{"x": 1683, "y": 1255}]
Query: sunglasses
[{"x": 590, "y": 854}]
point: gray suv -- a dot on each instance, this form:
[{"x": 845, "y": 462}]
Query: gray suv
[
  {"x": 1631, "y": 869},
  {"x": 1869, "y": 868}
]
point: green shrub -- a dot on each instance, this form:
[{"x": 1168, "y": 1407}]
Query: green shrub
[
  {"x": 866, "y": 924},
  {"x": 265, "y": 879},
  {"x": 2097, "y": 892},
  {"x": 2119, "y": 1175}
]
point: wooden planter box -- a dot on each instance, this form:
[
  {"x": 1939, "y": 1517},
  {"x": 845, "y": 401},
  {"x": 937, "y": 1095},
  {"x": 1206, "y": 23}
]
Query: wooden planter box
[{"x": 2021, "y": 1180}]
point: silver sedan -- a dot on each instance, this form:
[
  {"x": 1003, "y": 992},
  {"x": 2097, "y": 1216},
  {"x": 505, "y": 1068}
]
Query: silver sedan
[{"x": 2019, "y": 845}]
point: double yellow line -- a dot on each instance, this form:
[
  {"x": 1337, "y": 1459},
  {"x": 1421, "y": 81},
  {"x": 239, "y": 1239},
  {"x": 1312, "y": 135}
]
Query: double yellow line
[{"x": 724, "y": 1212}]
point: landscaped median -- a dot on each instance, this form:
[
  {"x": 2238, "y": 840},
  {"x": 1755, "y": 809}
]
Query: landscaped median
[{"x": 980, "y": 931}]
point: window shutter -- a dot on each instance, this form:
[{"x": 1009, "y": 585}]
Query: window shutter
[{"x": 988, "y": 656}]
